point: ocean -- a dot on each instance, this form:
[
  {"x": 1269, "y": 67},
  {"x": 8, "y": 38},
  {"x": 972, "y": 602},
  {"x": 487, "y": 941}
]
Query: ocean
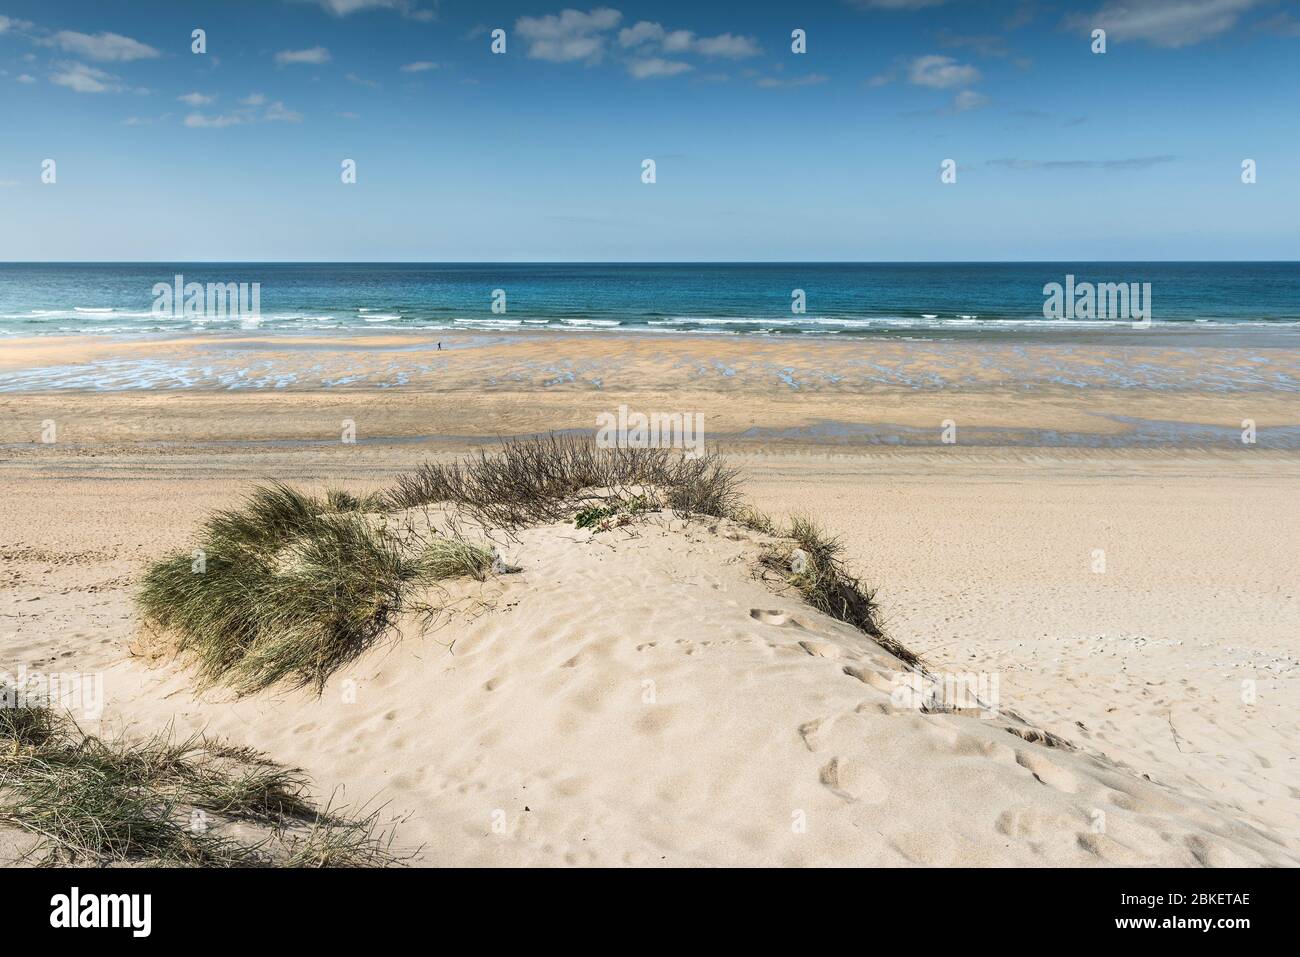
[{"x": 838, "y": 299}]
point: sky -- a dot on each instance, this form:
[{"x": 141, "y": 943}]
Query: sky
[{"x": 760, "y": 152}]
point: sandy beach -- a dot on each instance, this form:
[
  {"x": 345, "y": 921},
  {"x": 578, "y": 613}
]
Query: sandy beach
[
  {"x": 443, "y": 440},
  {"x": 1099, "y": 542}
]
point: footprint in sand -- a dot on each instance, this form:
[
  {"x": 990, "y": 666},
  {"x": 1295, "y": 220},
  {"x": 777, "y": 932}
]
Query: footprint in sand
[
  {"x": 852, "y": 780},
  {"x": 1039, "y": 736},
  {"x": 869, "y": 676},
  {"x": 810, "y": 732},
  {"x": 1053, "y": 775},
  {"x": 1034, "y": 822},
  {"x": 778, "y": 618},
  {"x": 821, "y": 649}
]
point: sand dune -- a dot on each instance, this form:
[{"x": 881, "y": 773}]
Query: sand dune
[
  {"x": 638, "y": 696},
  {"x": 762, "y": 708}
]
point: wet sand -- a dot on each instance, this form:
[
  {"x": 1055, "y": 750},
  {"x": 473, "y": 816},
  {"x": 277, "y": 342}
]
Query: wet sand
[{"x": 814, "y": 391}]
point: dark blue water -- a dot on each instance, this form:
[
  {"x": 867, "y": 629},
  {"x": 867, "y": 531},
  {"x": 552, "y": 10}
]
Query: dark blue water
[{"x": 841, "y": 299}]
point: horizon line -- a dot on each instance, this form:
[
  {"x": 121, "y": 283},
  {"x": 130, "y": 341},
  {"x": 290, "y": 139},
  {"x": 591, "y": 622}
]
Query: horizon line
[{"x": 621, "y": 262}]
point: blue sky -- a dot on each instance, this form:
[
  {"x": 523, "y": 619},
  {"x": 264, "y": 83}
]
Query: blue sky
[{"x": 761, "y": 153}]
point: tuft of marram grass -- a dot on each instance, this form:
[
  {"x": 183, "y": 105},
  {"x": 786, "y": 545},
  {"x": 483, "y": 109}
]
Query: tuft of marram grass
[
  {"x": 25, "y": 727},
  {"x": 286, "y": 589},
  {"x": 452, "y": 558},
  {"x": 341, "y": 500},
  {"x": 821, "y": 576},
  {"x": 532, "y": 482},
  {"x": 164, "y": 802}
]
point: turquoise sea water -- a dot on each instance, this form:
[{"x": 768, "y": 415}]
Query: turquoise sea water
[{"x": 842, "y": 299}]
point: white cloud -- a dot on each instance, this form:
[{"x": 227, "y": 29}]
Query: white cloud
[
  {"x": 1128, "y": 163},
  {"x": 811, "y": 79},
  {"x": 26, "y": 78},
  {"x": 314, "y": 55},
  {"x": 362, "y": 81},
  {"x": 420, "y": 66},
  {"x": 678, "y": 41},
  {"x": 196, "y": 99},
  {"x": 568, "y": 36},
  {"x": 940, "y": 72},
  {"x": 341, "y": 8},
  {"x": 247, "y": 113},
  {"x": 276, "y": 113},
  {"x": 656, "y": 67},
  {"x": 145, "y": 120},
  {"x": 654, "y": 51},
  {"x": 85, "y": 79},
  {"x": 968, "y": 100},
  {"x": 645, "y": 33},
  {"x": 200, "y": 121},
  {"x": 1165, "y": 23},
  {"x": 102, "y": 46},
  {"x": 9, "y": 23},
  {"x": 727, "y": 45}
]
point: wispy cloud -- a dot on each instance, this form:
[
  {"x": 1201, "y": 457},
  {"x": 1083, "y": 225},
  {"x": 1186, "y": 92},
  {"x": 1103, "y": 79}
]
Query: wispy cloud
[
  {"x": 420, "y": 66},
  {"x": 1022, "y": 16},
  {"x": 1135, "y": 162},
  {"x": 963, "y": 102},
  {"x": 986, "y": 45},
  {"x": 568, "y": 36},
  {"x": 105, "y": 47},
  {"x": 940, "y": 72},
  {"x": 253, "y": 108},
  {"x": 145, "y": 120},
  {"x": 197, "y": 99},
  {"x": 647, "y": 49},
  {"x": 313, "y": 55},
  {"x": 968, "y": 100},
  {"x": 277, "y": 113},
  {"x": 1165, "y": 23},
  {"x": 10, "y": 23},
  {"x": 809, "y": 79},
  {"x": 933, "y": 70},
  {"x": 1281, "y": 24},
  {"x": 1043, "y": 116},
  {"x": 201, "y": 121},
  {"x": 649, "y": 34},
  {"x": 341, "y": 8},
  {"x": 727, "y": 45},
  {"x": 655, "y": 67},
  {"x": 81, "y": 78}
]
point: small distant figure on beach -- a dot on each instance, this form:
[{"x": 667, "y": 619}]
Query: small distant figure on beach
[{"x": 440, "y": 347}]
